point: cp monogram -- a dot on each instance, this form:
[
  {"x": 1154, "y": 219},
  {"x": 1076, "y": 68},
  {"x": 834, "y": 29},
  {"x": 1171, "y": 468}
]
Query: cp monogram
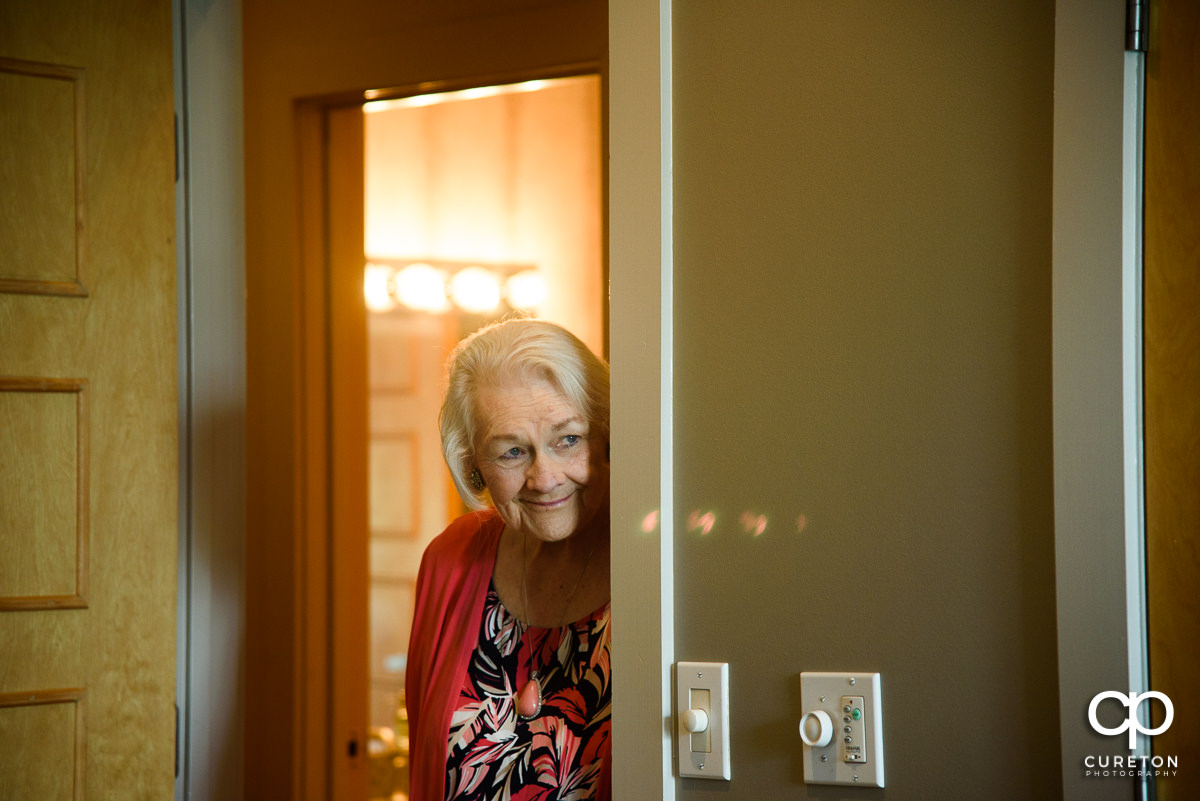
[{"x": 1132, "y": 701}]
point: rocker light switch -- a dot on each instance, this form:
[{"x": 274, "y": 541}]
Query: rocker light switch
[{"x": 702, "y": 719}]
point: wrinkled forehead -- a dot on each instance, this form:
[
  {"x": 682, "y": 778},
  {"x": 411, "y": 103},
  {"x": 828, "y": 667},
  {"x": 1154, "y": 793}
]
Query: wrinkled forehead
[
  {"x": 526, "y": 394},
  {"x": 522, "y": 377}
]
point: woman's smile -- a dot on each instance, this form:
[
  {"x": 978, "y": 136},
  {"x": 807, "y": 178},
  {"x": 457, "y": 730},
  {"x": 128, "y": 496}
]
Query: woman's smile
[
  {"x": 548, "y": 504},
  {"x": 545, "y": 471}
]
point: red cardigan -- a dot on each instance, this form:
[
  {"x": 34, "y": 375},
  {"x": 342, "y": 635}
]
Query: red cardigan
[{"x": 451, "y": 585}]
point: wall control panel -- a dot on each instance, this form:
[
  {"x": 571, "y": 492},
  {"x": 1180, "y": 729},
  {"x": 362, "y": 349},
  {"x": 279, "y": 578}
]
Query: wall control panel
[
  {"x": 842, "y": 728},
  {"x": 854, "y": 740},
  {"x": 702, "y": 719}
]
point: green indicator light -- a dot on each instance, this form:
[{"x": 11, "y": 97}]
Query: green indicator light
[{"x": 856, "y": 714}]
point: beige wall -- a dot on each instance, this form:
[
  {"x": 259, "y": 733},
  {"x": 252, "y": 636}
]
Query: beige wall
[{"x": 862, "y": 338}]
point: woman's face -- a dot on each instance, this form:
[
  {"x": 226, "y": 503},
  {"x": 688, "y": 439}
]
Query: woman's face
[{"x": 547, "y": 472}]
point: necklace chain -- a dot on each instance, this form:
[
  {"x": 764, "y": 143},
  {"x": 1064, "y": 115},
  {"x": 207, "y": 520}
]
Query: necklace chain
[
  {"x": 525, "y": 584},
  {"x": 533, "y": 685}
]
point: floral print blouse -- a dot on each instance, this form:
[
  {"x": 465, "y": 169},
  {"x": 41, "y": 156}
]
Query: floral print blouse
[{"x": 561, "y": 754}]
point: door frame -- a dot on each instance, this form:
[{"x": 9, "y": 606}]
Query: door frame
[
  {"x": 331, "y": 667},
  {"x": 1099, "y": 541},
  {"x": 640, "y": 332},
  {"x": 211, "y": 280},
  {"x": 331, "y": 521}
]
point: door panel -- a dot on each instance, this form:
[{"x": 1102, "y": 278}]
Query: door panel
[
  {"x": 87, "y": 401},
  {"x": 41, "y": 736}
]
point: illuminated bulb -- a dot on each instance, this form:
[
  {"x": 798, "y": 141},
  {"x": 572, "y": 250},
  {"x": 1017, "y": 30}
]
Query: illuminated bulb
[
  {"x": 475, "y": 290},
  {"x": 526, "y": 290},
  {"x": 419, "y": 286},
  {"x": 376, "y": 287},
  {"x": 477, "y": 93}
]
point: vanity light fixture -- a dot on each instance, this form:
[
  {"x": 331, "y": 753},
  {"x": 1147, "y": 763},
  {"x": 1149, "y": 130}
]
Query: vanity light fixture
[{"x": 435, "y": 286}]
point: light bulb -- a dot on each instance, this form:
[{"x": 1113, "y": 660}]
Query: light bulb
[
  {"x": 422, "y": 287},
  {"x": 526, "y": 290},
  {"x": 475, "y": 290},
  {"x": 377, "y": 280}
]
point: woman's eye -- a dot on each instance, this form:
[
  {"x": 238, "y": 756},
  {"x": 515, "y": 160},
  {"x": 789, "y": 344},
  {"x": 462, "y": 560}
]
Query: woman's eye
[
  {"x": 511, "y": 453},
  {"x": 571, "y": 440}
]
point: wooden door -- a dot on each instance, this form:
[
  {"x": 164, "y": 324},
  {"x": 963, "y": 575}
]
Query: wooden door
[
  {"x": 1172, "y": 375},
  {"x": 88, "y": 477},
  {"x": 411, "y": 501}
]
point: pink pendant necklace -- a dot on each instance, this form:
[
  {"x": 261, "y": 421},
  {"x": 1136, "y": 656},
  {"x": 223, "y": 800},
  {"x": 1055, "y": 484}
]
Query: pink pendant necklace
[{"x": 529, "y": 699}]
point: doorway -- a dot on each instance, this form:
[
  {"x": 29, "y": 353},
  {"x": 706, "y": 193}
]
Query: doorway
[
  {"x": 477, "y": 203},
  {"x": 302, "y": 65}
]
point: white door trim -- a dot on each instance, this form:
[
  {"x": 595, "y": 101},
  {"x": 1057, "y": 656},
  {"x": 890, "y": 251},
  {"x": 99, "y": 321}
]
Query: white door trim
[
  {"x": 1097, "y": 411},
  {"x": 639, "y": 149},
  {"x": 211, "y": 248}
]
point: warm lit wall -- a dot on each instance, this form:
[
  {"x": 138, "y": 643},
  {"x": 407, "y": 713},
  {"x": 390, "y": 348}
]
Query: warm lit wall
[
  {"x": 862, "y": 340},
  {"x": 511, "y": 178},
  {"x": 295, "y": 50}
]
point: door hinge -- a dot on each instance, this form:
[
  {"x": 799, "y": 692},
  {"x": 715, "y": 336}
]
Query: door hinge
[{"x": 1136, "y": 12}]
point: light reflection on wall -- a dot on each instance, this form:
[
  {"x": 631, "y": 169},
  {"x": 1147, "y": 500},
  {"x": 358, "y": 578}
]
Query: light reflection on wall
[
  {"x": 703, "y": 522},
  {"x": 753, "y": 524}
]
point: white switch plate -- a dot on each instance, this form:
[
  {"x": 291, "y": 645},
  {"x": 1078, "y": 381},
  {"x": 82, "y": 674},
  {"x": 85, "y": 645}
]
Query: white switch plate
[
  {"x": 860, "y": 761},
  {"x": 700, "y": 684}
]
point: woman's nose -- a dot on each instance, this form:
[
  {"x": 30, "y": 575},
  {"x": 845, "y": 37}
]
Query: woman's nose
[{"x": 543, "y": 474}]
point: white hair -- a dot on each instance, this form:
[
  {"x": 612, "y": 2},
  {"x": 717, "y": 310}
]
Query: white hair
[{"x": 520, "y": 348}]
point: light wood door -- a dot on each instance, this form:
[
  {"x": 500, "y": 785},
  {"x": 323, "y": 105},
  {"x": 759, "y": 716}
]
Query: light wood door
[
  {"x": 1172, "y": 375},
  {"x": 87, "y": 401}
]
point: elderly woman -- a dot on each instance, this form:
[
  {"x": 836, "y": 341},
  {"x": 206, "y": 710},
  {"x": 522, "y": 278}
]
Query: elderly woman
[{"x": 508, "y": 681}]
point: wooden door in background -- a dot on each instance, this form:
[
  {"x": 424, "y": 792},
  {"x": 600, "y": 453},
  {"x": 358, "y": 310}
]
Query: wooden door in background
[
  {"x": 88, "y": 476},
  {"x": 410, "y": 502},
  {"x": 1172, "y": 380}
]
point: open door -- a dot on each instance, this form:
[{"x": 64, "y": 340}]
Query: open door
[
  {"x": 1172, "y": 383},
  {"x": 88, "y": 476}
]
